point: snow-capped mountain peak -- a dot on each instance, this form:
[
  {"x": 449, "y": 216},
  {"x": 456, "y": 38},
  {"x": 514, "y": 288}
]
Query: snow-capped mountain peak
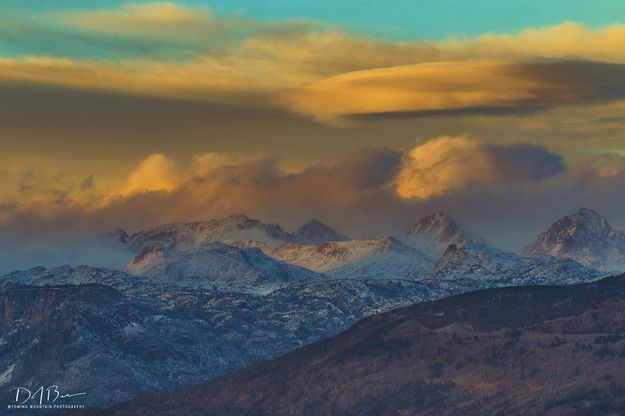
[
  {"x": 434, "y": 233},
  {"x": 584, "y": 236},
  {"x": 234, "y": 228},
  {"x": 218, "y": 266},
  {"x": 193, "y": 234}
]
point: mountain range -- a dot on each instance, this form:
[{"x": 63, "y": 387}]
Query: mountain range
[
  {"x": 551, "y": 350},
  {"x": 226, "y": 293}
]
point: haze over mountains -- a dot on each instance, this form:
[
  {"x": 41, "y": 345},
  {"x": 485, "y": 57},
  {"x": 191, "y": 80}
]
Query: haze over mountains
[{"x": 225, "y": 293}]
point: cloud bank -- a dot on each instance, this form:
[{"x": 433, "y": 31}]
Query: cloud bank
[
  {"x": 169, "y": 50},
  {"x": 374, "y": 191},
  {"x": 447, "y": 164}
]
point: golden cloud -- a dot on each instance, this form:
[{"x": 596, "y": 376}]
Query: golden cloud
[
  {"x": 327, "y": 74},
  {"x": 456, "y": 86},
  {"x": 155, "y": 173},
  {"x": 446, "y": 164},
  {"x": 158, "y": 173},
  {"x": 216, "y": 184}
]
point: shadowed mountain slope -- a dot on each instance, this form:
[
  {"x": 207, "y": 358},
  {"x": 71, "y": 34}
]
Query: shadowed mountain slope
[{"x": 515, "y": 351}]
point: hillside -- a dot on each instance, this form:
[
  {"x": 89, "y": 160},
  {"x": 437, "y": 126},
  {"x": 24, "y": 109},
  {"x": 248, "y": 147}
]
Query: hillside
[{"x": 515, "y": 351}]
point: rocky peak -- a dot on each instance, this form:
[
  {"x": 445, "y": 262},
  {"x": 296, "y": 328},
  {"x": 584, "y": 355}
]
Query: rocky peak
[
  {"x": 434, "y": 233},
  {"x": 438, "y": 222},
  {"x": 316, "y": 232},
  {"x": 194, "y": 234},
  {"x": 585, "y": 236}
]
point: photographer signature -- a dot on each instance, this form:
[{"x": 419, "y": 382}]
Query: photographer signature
[{"x": 41, "y": 395}]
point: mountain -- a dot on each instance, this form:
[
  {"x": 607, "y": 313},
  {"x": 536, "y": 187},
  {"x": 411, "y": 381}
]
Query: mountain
[
  {"x": 316, "y": 232},
  {"x": 187, "y": 235},
  {"x": 236, "y": 227},
  {"x": 467, "y": 262},
  {"x": 218, "y": 267},
  {"x": 375, "y": 258},
  {"x": 584, "y": 236},
  {"x": 514, "y": 351},
  {"x": 477, "y": 266},
  {"x": 434, "y": 233},
  {"x": 115, "y": 336}
]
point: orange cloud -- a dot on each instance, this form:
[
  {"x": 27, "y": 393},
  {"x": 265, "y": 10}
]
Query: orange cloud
[
  {"x": 155, "y": 173},
  {"x": 446, "y": 164},
  {"x": 329, "y": 73},
  {"x": 456, "y": 86}
]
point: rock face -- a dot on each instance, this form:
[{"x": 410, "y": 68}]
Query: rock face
[
  {"x": 65, "y": 335},
  {"x": 586, "y": 237},
  {"x": 513, "y": 351},
  {"x": 434, "y": 233},
  {"x": 375, "y": 258},
  {"x": 316, "y": 232}
]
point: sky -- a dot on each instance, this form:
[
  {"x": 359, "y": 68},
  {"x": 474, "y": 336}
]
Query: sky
[{"x": 364, "y": 114}]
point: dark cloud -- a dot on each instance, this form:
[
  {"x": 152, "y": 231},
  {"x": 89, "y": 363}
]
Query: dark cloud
[
  {"x": 87, "y": 183},
  {"x": 525, "y": 161},
  {"x": 30, "y": 179}
]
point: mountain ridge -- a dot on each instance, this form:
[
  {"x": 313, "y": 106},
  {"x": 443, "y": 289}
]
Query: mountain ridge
[
  {"x": 584, "y": 236},
  {"x": 495, "y": 351}
]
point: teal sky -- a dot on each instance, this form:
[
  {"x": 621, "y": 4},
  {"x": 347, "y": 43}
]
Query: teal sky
[{"x": 396, "y": 20}]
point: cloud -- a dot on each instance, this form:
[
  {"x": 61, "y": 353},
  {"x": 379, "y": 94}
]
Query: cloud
[
  {"x": 447, "y": 164},
  {"x": 329, "y": 73},
  {"x": 481, "y": 86},
  {"x": 508, "y": 193},
  {"x": 148, "y": 19},
  {"x": 372, "y": 182},
  {"x": 155, "y": 173},
  {"x": 87, "y": 183},
  {"x": 565, "y": 41}
]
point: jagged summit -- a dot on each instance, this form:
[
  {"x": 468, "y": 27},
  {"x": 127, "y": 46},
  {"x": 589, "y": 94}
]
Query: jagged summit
[
  {"x": 436, "y": 220},
  {"x": 233, "y": 228},
  {"x": 185, "y": 235},
  {"x": 316, "y": 232},
  {"x": 584, "y": 236},
  {"x": 434, "y": 233}
]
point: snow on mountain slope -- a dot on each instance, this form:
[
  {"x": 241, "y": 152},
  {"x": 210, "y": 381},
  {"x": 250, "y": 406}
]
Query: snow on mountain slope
[
  {"x": 586, "y": 237},
  {"x": 186, "y": 235},
  {"x": 66, "y": 275},
  {"x": 375, "y": 258},
  {"x": 117, "y": 345},
  {"x": 236, "y": 227},
  {"x": 434, "y": 233},
  {"x": 218, "y": 267},
  {"x": 480, "y": 266}
]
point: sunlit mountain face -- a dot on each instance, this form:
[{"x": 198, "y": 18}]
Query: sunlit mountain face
[{"x": 233, "y": 180}]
